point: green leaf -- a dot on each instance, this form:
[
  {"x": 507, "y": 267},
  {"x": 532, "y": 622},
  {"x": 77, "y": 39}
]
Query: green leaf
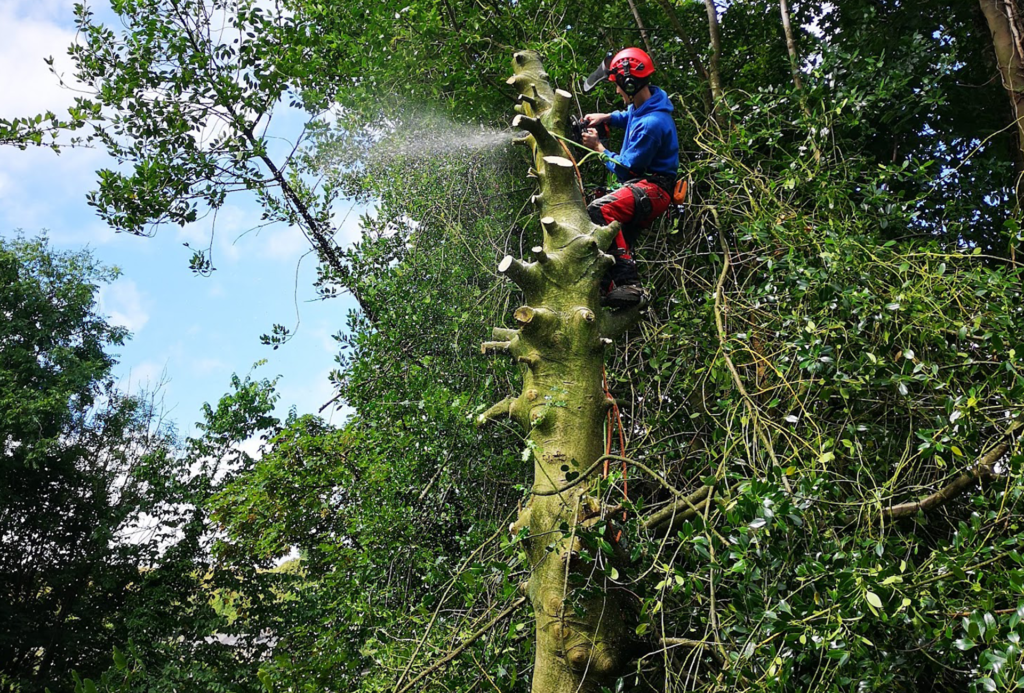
[
  {"x": 873, "y": 599},
  {"x": 119, "y": 659}
]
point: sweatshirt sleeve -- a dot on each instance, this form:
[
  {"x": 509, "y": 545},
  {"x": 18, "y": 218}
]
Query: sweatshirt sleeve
[
  {"x": 636, "y": 156},
  {"x": 618, "y": 119}
]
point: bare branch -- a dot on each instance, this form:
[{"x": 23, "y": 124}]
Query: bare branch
[
  {"x": 794, "y": 56},
  {"x": 981, "y": 471},
  {"x": 679, "y": 511}
]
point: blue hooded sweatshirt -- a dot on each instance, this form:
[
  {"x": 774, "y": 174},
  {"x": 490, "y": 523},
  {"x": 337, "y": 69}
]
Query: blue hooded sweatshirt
[{"x": 651, "y": 146}]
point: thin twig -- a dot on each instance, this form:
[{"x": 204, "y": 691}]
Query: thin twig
[
  {"x": 723, "y": 338},
  {"x": 466, "y": 643}
]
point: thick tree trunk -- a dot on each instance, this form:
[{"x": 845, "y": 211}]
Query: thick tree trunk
[
  {"x": 1005, "y": 25},
  {"x": 584, "y": 623}
]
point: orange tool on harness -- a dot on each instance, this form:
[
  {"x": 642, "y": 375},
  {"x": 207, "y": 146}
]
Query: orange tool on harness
[{"x": 679, "y": 193}]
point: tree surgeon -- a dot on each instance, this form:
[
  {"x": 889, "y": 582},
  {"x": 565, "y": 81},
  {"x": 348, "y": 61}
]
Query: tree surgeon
[{"x": 646, "y": 167}]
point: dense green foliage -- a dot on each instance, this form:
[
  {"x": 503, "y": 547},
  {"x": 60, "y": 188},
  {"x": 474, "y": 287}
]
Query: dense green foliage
[
  {"x": 835, "y": 333},
  {"x": 104, "y": 525},
  {"x": 82, "y": 466}
]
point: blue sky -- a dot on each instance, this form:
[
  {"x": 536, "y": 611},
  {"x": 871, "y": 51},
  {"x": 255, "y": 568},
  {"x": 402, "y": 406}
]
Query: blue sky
[{"x": 190, "y": 333}]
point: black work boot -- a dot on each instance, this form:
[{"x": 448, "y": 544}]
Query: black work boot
[{"x": 626, "y": 296}]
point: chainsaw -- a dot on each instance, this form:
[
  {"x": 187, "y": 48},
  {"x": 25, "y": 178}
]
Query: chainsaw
[{"x": 578, "y": 125}]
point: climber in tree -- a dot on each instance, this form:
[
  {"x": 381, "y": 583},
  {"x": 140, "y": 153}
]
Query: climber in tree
[{"x": 646, "y": 167}]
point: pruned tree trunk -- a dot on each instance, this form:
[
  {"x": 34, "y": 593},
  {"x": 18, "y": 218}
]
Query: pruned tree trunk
[
  {"x": 1005, "y": 25},
  {"x": 585, "y": 622}
]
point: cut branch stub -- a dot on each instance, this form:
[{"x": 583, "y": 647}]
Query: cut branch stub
[
  {"x": 585, "y": 315},
  {"x": 501, "y": 410},
  {"x": 561, "y": 173},
  {"x": 559, "y": 161},
  {"x": 533, "y": 318},
  {"x": 495, "y": 347},
  {"x": 538, "y": 252},
  {"x": 543, "y": 138},
  {"x": 516, "y": 271},
  {"x": 560, "y": 109},
  {"x": 527, "y": 100},
  {"x": 503, "y": 334},
  {"x": 605, "y": 235}
]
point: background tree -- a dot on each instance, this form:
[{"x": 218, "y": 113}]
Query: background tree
[
  {"x": 82, "y": 467},
  {"x": 105, "y": 534}
]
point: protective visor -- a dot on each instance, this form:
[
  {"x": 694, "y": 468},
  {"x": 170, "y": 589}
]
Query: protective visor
[{"x": 599, "y": 75}]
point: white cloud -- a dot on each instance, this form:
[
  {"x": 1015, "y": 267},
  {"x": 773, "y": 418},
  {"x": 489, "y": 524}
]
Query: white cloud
[
  {"x": 325, "y": 337},
  {"x": 124, "y": 304},
  {"x": 310, "y": 395},
  {"x": 237, "y": 235},
  {"x": 348, "y": 222},
  {"x": 207, "y": 366},
  {"x": 32, "y": 33},
  {"x": 148, "y": 376},
  {"x": 94, "y": 233},
  {"x": 283, "y": 243},
  {"x": 252, "y": 446}
]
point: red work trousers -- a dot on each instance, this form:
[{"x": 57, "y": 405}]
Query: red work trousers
[{"x": 635, "y": 205}]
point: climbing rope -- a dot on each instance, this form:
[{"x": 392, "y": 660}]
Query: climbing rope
[
  {"x": 579, "y": 176},
  {"x": 614, "y": 421}
]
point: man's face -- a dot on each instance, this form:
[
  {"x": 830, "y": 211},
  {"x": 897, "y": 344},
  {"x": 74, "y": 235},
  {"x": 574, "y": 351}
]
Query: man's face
[{"x": 625, "y": 97}]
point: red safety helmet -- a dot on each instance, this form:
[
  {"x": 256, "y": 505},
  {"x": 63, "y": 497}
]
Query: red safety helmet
[{"x": 630, "y": 68}]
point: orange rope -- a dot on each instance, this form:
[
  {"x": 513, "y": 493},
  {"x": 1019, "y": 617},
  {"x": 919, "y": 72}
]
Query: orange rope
[
  {"x": 617, "y": 421},
  {"x": 579, "y": 176}
]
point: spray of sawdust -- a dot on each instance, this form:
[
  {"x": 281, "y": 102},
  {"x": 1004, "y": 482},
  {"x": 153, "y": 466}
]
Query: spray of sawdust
[{"x": 409, "y": 137}]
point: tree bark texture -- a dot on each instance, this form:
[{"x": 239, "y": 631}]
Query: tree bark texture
[
  {"x": 715, "y": 34},
  {"x": 794, "y": 55},
  {"x": 1004, "y": 23},
  {"x": 584, "y": 622}
]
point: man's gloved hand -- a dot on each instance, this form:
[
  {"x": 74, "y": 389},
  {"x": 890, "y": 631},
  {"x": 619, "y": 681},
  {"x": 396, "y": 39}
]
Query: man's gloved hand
[
  {"x": 591, "y": 137},
  {"x": 591, "y": 140}
]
